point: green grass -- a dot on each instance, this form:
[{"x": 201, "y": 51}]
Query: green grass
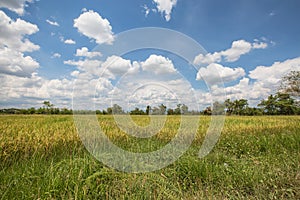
[{"x": 42, "y": 157}]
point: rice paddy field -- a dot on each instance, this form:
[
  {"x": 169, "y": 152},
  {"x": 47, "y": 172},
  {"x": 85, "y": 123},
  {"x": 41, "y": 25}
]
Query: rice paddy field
[{"x": 42, "y": 157}]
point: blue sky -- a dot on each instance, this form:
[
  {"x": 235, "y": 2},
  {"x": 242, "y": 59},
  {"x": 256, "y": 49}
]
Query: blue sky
[{"x": 46, "y": 50}]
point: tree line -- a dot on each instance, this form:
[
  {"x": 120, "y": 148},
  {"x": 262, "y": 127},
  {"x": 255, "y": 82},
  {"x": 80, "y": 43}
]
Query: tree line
[{"x": 284, "y": 102}]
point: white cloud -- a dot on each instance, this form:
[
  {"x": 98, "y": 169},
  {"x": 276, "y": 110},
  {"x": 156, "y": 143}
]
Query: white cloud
[
  {"x": 238, "y": 48},
  {"x": 15, "y": 63},
  {"x": 146, "y": 10},
  {"x": 12, "y": 33},
  {"x": 270, "y": 76},
  {"x": 208, "y": 58},
  {"x": 92, "y": 25},
  {"x": 52, "y": 22},
  {"x": 265, "y": 81},
  {"x": 15, "y": 5},
  {"x": 69, "y": 41},
  {"x": 158, "y": 65},
  {"x": 92, "y": 67},
  {"x": 84, "y": 52},
  {"x": 165, "y": 7},
  {"x": 13, "y": 44},
  {"x": 215, "y": 73},
  {"x": 56, "y": 55},
  {"x": 117, "y": 66}
]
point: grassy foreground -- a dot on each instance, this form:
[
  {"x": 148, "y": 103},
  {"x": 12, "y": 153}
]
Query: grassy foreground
[{"x": 42, "y": 157}]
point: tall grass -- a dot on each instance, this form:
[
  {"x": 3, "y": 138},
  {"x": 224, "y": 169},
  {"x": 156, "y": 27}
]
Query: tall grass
[{"x": 42, "y": 157}]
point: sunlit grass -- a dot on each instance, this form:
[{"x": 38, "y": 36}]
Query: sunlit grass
[{"x": 255, "y": 158}]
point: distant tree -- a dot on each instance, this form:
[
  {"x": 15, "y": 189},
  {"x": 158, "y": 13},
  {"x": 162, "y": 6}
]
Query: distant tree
[
  {"x": 65, "y": 111},
  {"x": 229, "y": 106},
  {"x": 148, "y": 110},
  {"x": 109, "y": 111},
  {"x": 239, "y": 106},
  {"x": 47, "y": 106},
  {"x": 137, "y": 111},
  {"x": 116, "y": 109},
  {"x": 31, "y": 110},
  {"x": 269, "y": 105},
  {"x": 177, "y": 110},
  {"x": 170, "y": 111},
  {"x": 207, "y": 111},
  {"x": 290, "y": 84},
  {"x": 279, "y": 104},
  {"x": 218, "y": 108},
  {"x": 184, "y": 109},
  {"x": 160, "y": 110}
]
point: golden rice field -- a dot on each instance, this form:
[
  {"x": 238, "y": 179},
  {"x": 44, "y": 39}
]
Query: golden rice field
[{"x": 42, "y": 157}]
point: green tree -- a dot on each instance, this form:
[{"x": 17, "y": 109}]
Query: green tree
[
  {"x": 207, "y": 111},
  {"x": 148, "y": 109},
  {"x": 239, "y": 106},
  {"x": 229, "y": 106},
  {"x": 137, "y": 111},
  {"x": 279, "y": 104},
  {"x": 177, "y": 111},
  {"x": 48, "y": 107},
  {"x": 170, "y": 111}
]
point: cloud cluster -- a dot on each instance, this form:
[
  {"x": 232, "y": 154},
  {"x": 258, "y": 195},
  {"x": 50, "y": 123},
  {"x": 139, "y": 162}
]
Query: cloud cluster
[
  {"x": 270, "y": 76},
  {"x": 13, "y": 33},
  {"x": 13, "y": 44},
  {"x": 238, "y": 48},
  {"x": 15, "y": 63},
  {"x": 165, "y": 7},
  {"x": 216, "y": 73},
  {"x": 84, "y": 52},
  {"x": 158, "y": 65},
  {"x": 92, "y": 25},
  {"x": 15, "y": 5}
]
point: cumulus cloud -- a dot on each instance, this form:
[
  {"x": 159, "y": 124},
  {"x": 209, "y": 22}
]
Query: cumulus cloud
[
  {"x": 15, "y": 5},
  {"x": 12, "y": 33},
  {"x": 92, "y": 67},
  {"x": 158, "y": 65},
  {"x": 84, "y": 52},
  {"x": 270, "y": 76},
  {"x": 238, "y": 48},
  {"x": 53, "y": 23},
  {"x": 69, "y": 41},
  {"x": 262, "y": 81},
  {"x": 15, "y": 63},
  {"x": 165, "y": 7},
  {"x": 118, "y": 66},
  {"x": 13, "y": 44},
  {"x": 215, "y": 73},
  {"x": 92, "y": 25}
]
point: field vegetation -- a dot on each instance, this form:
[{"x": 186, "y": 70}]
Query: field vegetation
[{"x": 257, "y": 157}]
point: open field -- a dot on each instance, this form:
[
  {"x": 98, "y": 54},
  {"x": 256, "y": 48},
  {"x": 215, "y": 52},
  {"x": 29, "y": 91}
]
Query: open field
[{"x": 255, "y": 158}]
